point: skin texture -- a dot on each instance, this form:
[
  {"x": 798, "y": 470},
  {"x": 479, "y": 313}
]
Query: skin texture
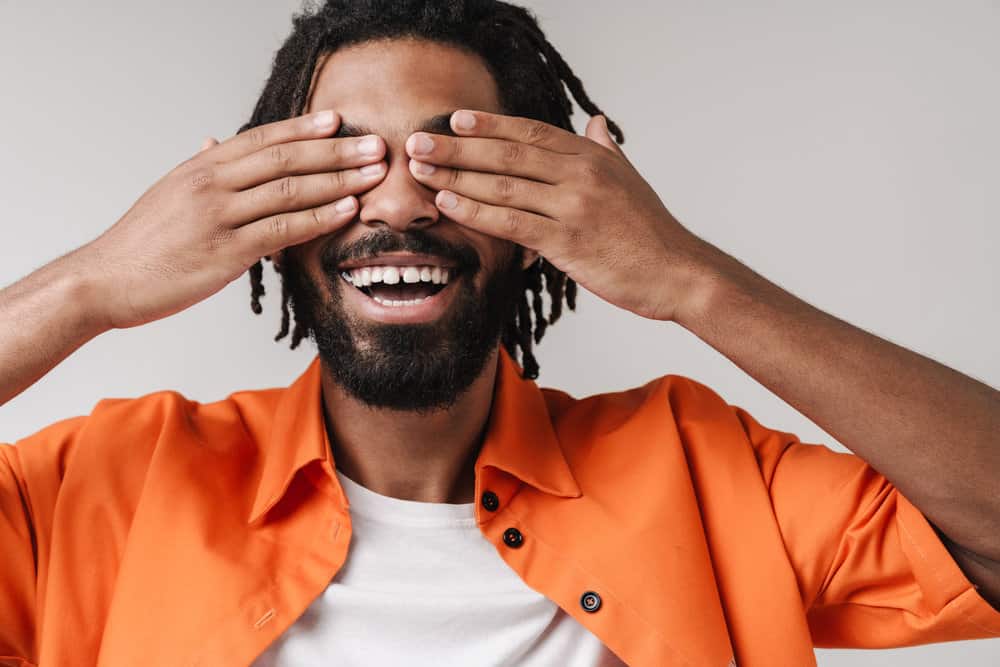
[{"x": 930, "y": 430}]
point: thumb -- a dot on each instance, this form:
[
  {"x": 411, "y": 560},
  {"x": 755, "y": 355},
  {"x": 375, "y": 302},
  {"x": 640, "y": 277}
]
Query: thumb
[
  {"x": 207, "y": 143},
  {"x": 597, "y": 130}
]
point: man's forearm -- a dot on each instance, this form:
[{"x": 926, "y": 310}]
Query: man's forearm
[
  {"x": 43, "y": 319},
  {"x": 932, "y": 431}
]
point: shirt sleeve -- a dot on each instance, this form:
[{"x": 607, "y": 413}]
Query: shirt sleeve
[
  {"x": 872, "y": 571},
  {"x": 25, "y": 522}
]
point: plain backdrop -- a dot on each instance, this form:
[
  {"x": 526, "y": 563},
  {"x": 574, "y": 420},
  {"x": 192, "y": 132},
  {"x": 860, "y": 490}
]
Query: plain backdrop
[{"x": 847, "y": 151}]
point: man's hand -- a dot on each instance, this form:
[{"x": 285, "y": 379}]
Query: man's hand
[
  {"x": 205, "y": 222},
  {"x": 576, "y": 200}
]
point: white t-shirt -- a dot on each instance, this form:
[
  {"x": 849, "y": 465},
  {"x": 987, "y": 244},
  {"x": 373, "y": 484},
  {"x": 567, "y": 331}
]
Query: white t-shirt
[{"x": 422, "y": 586}]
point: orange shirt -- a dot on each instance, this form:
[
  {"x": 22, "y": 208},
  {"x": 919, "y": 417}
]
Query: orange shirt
[{"x": 161, "y": 531}]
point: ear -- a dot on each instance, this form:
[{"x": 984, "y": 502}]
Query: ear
[{"x": 530, "y": 257}]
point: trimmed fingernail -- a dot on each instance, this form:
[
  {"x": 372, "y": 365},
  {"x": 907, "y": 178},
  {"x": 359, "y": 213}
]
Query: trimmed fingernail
[
  {"x": 345, "y": 205},
  {"x": 421, "y": 144},
  {"x": 368, "y": 146},
  {"x": 323, "y": 120},
  {"x": 447, "y": 200},
  {"x": 422, "y": 168},
  {"x": 372, "y": 169},
  {"x": 464, "y": 120}
]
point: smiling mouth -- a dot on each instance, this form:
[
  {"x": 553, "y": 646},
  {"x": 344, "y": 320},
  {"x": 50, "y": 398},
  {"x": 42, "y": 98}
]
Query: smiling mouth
[{"x": 399, "y": 286}]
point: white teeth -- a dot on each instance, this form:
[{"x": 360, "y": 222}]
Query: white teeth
[
  {"x": 399, "y": 302},
  {"x": 390, "y": 275}
]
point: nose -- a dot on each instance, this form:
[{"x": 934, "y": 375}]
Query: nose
[{"x": 399, "y": 201}]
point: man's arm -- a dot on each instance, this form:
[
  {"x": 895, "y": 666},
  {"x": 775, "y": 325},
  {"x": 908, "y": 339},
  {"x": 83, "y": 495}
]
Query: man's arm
[
  {"x": 45, "y": 316},
  {"x": 930, "y": 430},
  {"x": 195, "y": 230},
  {"x": 577, "y": 200}
]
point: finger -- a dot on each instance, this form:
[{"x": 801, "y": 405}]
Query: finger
[
  {"x": 207, "y": 143},
  {"x": 513, "y": 128},
  {"x": 497, "y": 189},
  {"x": 273, "y": 233},
  {"x": 309, "y": 126},
  {"x": 295, "y": 193},
  {"x": 298, "y": 158},
  {"x": 527, "y": 229},
  {"x": 498, "y": 156},
  {"x": 597, "y": 131}
]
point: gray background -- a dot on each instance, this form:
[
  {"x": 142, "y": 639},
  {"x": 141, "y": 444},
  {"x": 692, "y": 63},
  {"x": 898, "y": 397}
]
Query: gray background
[{"x": 847, "y": 151}]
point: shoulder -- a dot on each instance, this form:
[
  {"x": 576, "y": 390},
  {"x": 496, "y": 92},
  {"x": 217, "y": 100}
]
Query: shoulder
[
  {"x": 674, "y": 399},
  {"x": 128, "y": 431}
]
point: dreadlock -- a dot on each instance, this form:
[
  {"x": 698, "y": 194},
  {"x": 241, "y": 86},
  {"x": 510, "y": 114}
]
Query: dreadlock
[{"x": 532, "y": 79}]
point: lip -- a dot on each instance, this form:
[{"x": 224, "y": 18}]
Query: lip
[
  {"x": 397, "y": 259},
  {"x": 427, "y": 311}
]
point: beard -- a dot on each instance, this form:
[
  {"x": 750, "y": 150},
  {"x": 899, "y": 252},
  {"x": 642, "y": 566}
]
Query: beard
[{"x": 419, "y": 367}]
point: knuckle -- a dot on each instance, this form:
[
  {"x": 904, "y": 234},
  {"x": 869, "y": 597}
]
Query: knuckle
[
  {"x": 200, "y": 178},
  {"x": 277, "y": 227},
  {"x": 257, "y": 137},
  {"x": 338, "y": 179},
  {"x": 512, "y": 153},
  {"x": 316, "y": 216},
  {"x": 505, "y": 187},
  {"x": 280, "y": 156},
  {"x": 475, "y": 213},
  {"x": 338, "y": 149},
  {"x": 536, "y": 133},
  {"x": 219, "y": 237},
  {"x": 286, "y": 187},
  {"x": 454, "y": 179},
  {"x": 511, "y": 222}
]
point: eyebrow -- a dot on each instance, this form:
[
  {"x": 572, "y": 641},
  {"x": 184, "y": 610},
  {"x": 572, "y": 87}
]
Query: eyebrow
[{"x": 440, "y": 124}]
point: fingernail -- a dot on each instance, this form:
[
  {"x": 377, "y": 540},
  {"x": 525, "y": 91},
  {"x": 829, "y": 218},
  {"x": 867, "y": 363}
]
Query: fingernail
[
  {"x": 422, "y": 168},
  {"x": 368, "y": 146},
  {"x": 447, "y": 200},
  {"x": 345, "y": 205},
  {"x": 421, "y": 144},
  {"x": 464, "y": 120},
  {"x": 324, "y": 119},
  {"x": 372, "y": 169}
]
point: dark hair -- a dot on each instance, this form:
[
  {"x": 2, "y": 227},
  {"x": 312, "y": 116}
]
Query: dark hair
[{"x": 531, "y": 77}]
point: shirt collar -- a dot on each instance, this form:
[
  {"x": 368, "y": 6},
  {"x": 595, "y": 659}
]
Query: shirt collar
[{"x": 519, "y": 438}]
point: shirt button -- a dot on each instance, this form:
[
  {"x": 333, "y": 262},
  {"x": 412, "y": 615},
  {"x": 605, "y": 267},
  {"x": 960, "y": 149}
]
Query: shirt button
[
  {"x": 590, "y": 601},
  {"x": 512, "y": 537},
  {"x": 490, "y": 501}
]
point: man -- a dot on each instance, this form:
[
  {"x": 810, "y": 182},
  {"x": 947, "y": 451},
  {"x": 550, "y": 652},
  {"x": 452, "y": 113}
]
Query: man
[{"x": 411, "y": 172}]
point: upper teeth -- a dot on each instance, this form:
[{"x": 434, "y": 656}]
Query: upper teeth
[{"x": 391, "y": 275}]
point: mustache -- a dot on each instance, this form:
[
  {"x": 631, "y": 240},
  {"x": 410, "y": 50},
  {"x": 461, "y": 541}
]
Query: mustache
[{"x": 415, "y": 241}]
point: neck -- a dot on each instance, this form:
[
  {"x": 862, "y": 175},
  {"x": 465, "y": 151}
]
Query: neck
[{"x": 424, "y": 457}]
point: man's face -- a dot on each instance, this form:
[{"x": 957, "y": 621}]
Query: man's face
[{"x": 423, "y": 354}]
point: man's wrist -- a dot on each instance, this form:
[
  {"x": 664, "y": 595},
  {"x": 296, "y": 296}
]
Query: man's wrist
[
  {"x": 72, "y": 289},
  {"x": 712, "y": 279}
]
